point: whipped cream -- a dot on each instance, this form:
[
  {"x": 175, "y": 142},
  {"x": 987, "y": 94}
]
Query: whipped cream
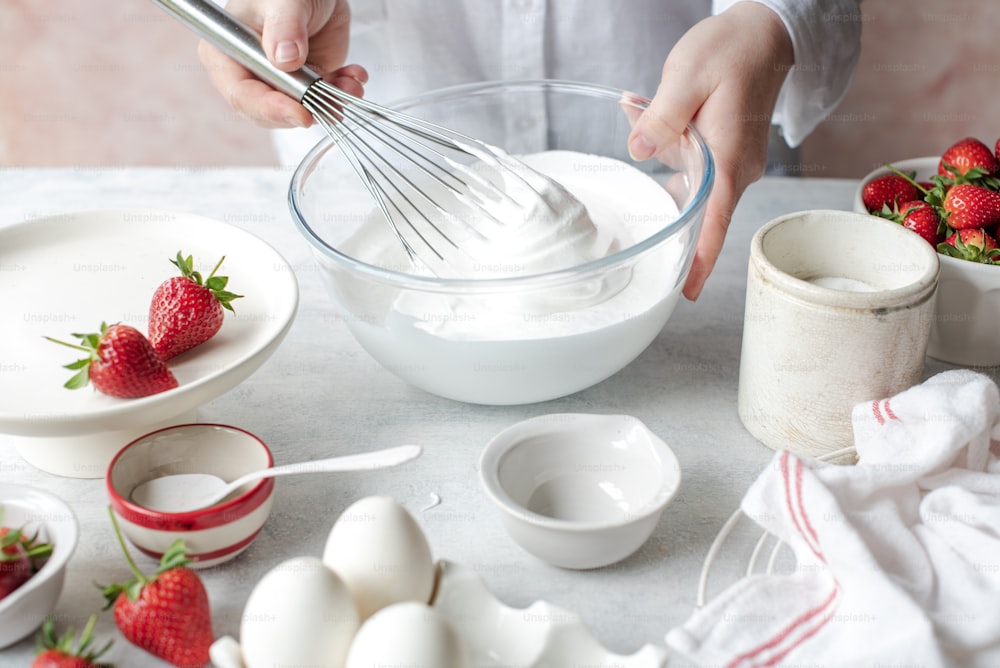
[
  {"x": 596, "y": 206},
  {"x": 492, "y": 346},
  {"x": 497, "y": 218},
  {"x": 532, "y": 225}
]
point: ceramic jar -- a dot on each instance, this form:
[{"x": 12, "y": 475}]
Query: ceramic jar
[{"x": 839, "y": 307}]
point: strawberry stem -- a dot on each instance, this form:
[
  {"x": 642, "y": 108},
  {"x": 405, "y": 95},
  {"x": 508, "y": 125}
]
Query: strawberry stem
[
  {"x": 909, "y": 178},
  {"x": 216, "y": 267},
  {"x": 128, "y": 557},
  {"x": 68, "y": 345}
]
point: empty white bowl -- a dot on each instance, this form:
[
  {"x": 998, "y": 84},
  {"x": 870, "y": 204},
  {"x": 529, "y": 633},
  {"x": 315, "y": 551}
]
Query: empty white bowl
[
  {"x": 212, "y": 535},
  {"x": 967, "y": 307},
  {"x": 26, "y": 608},
  {"x": 579, "y": 490}
]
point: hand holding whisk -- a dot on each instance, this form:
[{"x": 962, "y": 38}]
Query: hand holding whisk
[{"x": 439, "y": 190}]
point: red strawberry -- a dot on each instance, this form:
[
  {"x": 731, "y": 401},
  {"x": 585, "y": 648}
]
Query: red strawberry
[
  {"x": 58, "y": 652},
  {"x": 20, "y": 557},
  {"x": 923, "y": 219},
  {"x": 15, "y": 564},
  {"x": 967, "y": 155},
  {"x": 969, "y": 206},
  {"x": 186, "y": 311},
  {"x": 121, "y": 363},
  {"x": 975, "y": 245},
  {"x": 888, "y": 189},
  {"x": 168, "y": 614}
]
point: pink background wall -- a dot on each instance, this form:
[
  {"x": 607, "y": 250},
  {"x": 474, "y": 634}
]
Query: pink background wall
[{"x": 105, "y": 82}]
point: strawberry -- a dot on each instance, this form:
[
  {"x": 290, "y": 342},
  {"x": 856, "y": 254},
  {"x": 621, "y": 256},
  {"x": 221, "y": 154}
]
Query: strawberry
[
  {"x": 970, "y": 206},
  {"x": 918, "y": 216},
  {"x": 121, "y": 363},
  {"x": 888, "y": 189},
  {"x": 15, "y": 564},
  {"x": 58, "y": 652},
  {"x": 968, "y": 159},
  {"x": 187, "y": 311},
  {"x": 167, "y": 614},
  {"x": 20, "y": 558},
  {"x": 975, "y": 245}
]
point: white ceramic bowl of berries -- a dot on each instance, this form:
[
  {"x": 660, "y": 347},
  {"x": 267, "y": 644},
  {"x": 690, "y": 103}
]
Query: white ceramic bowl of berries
[
  {"x": 953, "y": 201},
  {"x": 32, "y": 577}
]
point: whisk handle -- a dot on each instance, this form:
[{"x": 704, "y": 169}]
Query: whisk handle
[{"x": 237, "y": 40}]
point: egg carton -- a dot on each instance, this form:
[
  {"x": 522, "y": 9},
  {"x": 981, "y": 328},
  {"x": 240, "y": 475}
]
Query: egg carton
[{"x": 540, "y": 636}]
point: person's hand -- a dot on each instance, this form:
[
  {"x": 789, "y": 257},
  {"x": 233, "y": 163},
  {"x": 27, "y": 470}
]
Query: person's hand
[
  {"x": 724, "y": 76},
  {"x": 293, "y": 32}
]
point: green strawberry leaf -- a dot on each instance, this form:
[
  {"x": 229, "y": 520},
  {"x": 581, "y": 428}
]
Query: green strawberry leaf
[
  {"x": 216, "y": 283},
  {"x": 950, "y": 251},
  {"x": 174, "y": 557},
  {"x": 80, "y": 379}
]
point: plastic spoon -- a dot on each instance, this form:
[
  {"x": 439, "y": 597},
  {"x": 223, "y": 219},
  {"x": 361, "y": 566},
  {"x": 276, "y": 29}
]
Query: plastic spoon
[{"x": 183, "y": 492}]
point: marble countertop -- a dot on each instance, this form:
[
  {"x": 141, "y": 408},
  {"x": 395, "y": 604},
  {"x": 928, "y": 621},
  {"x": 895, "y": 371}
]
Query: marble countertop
[{"x": 321, "y": 395}]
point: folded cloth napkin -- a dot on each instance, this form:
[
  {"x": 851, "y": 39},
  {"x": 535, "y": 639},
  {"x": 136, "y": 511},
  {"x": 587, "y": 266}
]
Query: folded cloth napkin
[{"x": 898, "y": 556}]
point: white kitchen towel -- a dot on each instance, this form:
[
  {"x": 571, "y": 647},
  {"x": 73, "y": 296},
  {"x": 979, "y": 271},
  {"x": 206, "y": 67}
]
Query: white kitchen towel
[{"x": 898, "y": 556}]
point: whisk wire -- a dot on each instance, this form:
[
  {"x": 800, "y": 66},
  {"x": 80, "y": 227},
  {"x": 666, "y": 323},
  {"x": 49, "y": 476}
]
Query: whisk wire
[
  {"x": 400, "y": 132},
  {"x": 357, "y": 125},
  {"x": 376, "y": 180}
]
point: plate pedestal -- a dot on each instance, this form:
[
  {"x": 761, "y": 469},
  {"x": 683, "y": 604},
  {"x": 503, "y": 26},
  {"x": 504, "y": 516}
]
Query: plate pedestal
[{"x": 85, "y": 455}]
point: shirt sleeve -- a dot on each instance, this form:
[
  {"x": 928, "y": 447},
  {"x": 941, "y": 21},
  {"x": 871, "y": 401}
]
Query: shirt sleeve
[{"x": 826, "y": 38}]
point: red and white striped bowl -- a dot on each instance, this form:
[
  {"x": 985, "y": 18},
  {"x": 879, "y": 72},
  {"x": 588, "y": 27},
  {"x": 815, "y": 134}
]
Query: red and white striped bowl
[{"x": 212, "y": 535}]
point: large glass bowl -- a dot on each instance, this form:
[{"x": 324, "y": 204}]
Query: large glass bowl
[{"x": 515, "y": 339}]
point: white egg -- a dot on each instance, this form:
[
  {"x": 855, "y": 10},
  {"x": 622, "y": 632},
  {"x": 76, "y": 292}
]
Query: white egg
[
  {"x": 381, "y": 553},
  {"x": 299, "y": 614},
  {"x": 414, "y": 635}
]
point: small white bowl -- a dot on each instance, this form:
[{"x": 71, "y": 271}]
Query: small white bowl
[
  {"x": 579, "y": 490},
  {"x": 26, "y": 608},
  {"x": 967, "y": 306},
  {"x": 212, "y": 535}
]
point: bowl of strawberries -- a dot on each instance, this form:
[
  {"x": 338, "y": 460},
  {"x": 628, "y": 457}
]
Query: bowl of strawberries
[
  {"x": 953, "y": 201},
  {"x": 38, "y": 534}
]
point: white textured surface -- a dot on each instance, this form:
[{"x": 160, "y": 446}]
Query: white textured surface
[{"x": 321, "y": 395}]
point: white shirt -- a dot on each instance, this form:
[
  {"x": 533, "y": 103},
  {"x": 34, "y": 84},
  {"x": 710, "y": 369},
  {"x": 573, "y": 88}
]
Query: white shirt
[{"x": 411, "y": 47}]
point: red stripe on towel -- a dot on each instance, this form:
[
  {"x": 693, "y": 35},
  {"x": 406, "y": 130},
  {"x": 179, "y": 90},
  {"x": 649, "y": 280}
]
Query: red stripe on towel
[
  {"x": 793, "y": 503},
  {"x": 876, "y": 413},
  {"x": 808, "y": 633},
  {"x": 811, "y": 621},
  {"x": 888, "y": 411},
  {"x": 802, "y": 511},
  {"x": 752, "y": 658}
]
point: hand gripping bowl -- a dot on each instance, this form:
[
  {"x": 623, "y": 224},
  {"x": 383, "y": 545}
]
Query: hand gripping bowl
[{"x": 520, "y": 338}]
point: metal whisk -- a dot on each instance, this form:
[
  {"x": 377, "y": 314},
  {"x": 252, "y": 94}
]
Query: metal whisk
[{"x": 422, "y": 176}]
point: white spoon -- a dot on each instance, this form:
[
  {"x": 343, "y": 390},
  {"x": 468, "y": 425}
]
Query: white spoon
[{"x": 183, "y": 492}]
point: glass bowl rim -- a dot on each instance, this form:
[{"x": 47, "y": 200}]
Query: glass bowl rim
[{"x": 549, "y": 278}]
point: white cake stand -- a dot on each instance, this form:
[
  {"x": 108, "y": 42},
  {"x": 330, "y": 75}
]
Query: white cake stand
[{"x": 67, "y": 273}]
